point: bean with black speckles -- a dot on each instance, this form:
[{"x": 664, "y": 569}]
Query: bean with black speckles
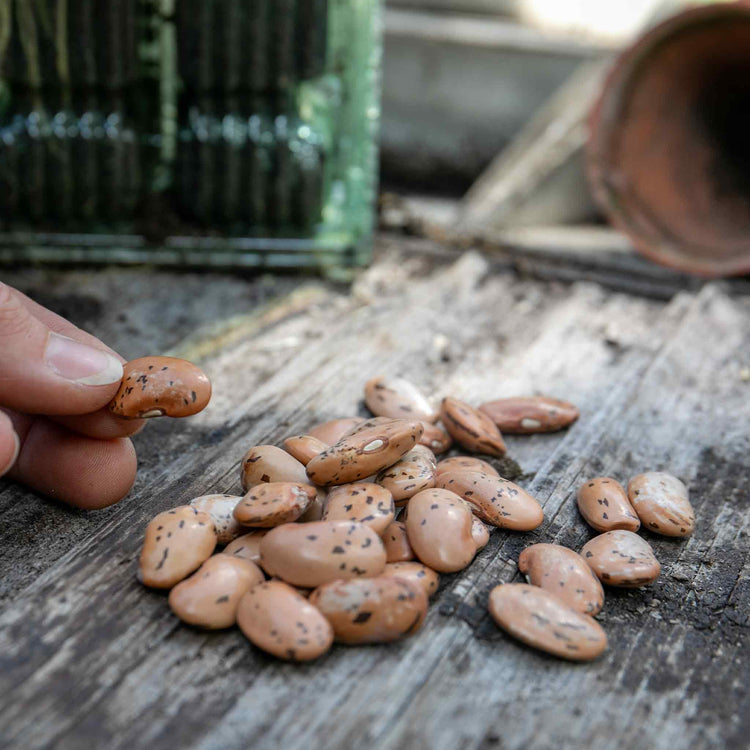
[
  {"x": 372, "y": 610},
  {"x": 466, "y": 463},
  {"x": 604, "y": 505},
  {"x": 209, "y": 598},
  {"x": 160, "y": 387},
  {"x": 358, "y": 456},
  {"x": 542, "y": 621},
  {"x": 276, "y": 619},
  {"x": 435, "y": 438},
  {"x": 471, "y": 429},
  {"x": 365, "y": 502},
  {"x": 564, "y": 573},
  {"x": 494, "y": 500},
  {"x": 315, "y": 553},
  {"x": 661, "y": 502},
  {"x": 396, "y": 542},
  {"x": 267, "y": 463},
  {"x": 221, "y": 510},
  {"x": 416, "y": 572},
  {"x": 524, "y": 415},
  {"x": 397, "y": 398},
  {"x": 177, "y": 542},
  {"x": 621, "y": 558},
  {"x": 439, "y": 528},
  {"x": 304, "y": 447},
  {"x": 273, "y": 504},
  {"x": 247, "y": 546},
  {"x": 413, "y": 472}
]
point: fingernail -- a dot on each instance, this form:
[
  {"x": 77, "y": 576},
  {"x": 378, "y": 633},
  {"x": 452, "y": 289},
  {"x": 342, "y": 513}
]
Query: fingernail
[
  {"x": 81, "y": 363},
  {"x": 13, "y": 457}
]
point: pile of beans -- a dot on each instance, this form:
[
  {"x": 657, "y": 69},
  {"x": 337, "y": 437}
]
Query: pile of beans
[{"x": 342, "y": 534}]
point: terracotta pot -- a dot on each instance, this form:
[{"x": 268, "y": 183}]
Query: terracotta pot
[{"x": 668, "y": 155}]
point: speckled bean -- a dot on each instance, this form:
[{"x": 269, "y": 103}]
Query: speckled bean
[
  {"x": 209, "y": 598},
  {"x": 466, "y": 463},
  {"x": 416, "y": 572},
  {"x": 470, "y": 428},
  {"x": 564, "y": 573},
  {"x": 177, "y": 542},
  {"x": 273, "y": 504},
  {"x": 435, "y": 438},
  {"x": 528, "y": 414},
  {"x": 495, "y": 500},
  {"x": 312, "y": 554},
  {"x": 372, "y": 610},
  {"x": 479, "y": 533},
  {"x": 247, "y": 546},
  {"x": 540, "y": 620},
  {"x": 276, "y": 619},
  {"x": 331, "y": 432},
  {"x": 413, "y": 472},
  {"x": 267, "y": 463},
  {"x": 397, "y": 398},
  {"x": 358, "y": 456},
  {"x": 396, "y": 542},
  {"x": 439, "y": 528},
  {"x": 221, "y": 509},
  {"x": 365, "y": 502},
  {"x": 604, "y": 505},
  {"x": 661, "y": 502},
  {"x": 304, "y": 447},
  {"x": 159, "y": 387},
  {"x": 621, "y": 558}
]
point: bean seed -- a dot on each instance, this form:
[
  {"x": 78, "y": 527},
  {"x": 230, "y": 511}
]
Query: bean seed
[
  {"x": 365, "y": 502},
  {"x": 331, "y": 432},
  {"x": 413, "y": 472},
  {"x": 542, "y": 621},
  {"x": 247, "y": 546},
  {"x": 273, "y": 504},
  {"x": 435, "y": 438},
  {"x": 397, "y": 398},
  {"x": 221, "y": 509},
  {"x": 621, "y": 558},
  {"x": 661, "y": 502},
  {"x": 472, "y": 429},
  {"x": 304, "y": 447},
  {"x": 416, "y": 572},
  {"x": 528, "y": 414},
  {"x": 396, "y": 542},
  {"x": 466, "y": 463},
  {"x": 159, "y": 387},
  {"x": 604, "y": 505}
]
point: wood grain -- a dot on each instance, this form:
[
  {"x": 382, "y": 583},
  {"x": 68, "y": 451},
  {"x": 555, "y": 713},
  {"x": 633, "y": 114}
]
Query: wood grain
[{"x": 87, "y": 656}]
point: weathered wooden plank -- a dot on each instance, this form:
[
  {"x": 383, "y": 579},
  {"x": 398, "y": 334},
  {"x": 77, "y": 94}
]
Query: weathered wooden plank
[{"x": 87, "y": 653}]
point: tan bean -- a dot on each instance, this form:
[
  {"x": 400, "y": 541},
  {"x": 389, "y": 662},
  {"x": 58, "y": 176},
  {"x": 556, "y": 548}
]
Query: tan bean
[
  {"x": 267, "y": 463},
  {"x": 540, "y": 620},
  {"x": 304, "y": 447},
  {"x": 247, "y": 546},
  {"x": 661, "y": 502},
  {"x": 273, "y": 504},
  {"x": 621, "y": 558},
  {"x": 209, "y": 598},
  {"x": 439, "y": 528},
  {"x": 564, "y": 573},
  {"x": 159, "y": 387},
  {"x": 372, "y": 610},
  {"x": 331, "y": 432},
  {"x": 435, "y": 438},
  {"x": 413, "y": 472},
  {"x": 177, "y": 542},
  {"x": 365, "y": 502},
  {"x": 312, "y": 554},
  {"x": 276, "y": 619},
  {"x": 220, "y": 508},
  {"x": 355, "y": 457},
  {"x": 470, "y": 428},
  {"x": 494, "y": 500},
  {"x": 528, "y": 414},
  {"x": 466, "y": 463},
  {"x": 604, "y": 505},
  {"x": 397, "y": 398},
  {"x": 416, "y": 572},
  {"x": 396, "y": 542},
  {"x": 479, "y": 533}
]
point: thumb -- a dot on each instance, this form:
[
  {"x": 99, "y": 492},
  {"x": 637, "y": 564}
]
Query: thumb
[{"x": 45, "y": 372}]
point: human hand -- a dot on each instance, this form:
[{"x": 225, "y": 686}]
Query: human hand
[{"x": 56, "y": 435}]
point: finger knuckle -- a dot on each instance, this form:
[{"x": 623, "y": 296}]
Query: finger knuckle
[{"x": 14, "y": 318}]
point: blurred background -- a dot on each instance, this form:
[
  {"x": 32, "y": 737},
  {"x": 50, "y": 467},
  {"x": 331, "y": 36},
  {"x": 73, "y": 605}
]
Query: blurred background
[{"x": 268, "y": 133}]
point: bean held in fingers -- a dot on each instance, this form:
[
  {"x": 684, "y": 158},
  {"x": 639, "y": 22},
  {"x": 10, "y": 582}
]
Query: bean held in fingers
[{"x": 161, "y": 387}]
